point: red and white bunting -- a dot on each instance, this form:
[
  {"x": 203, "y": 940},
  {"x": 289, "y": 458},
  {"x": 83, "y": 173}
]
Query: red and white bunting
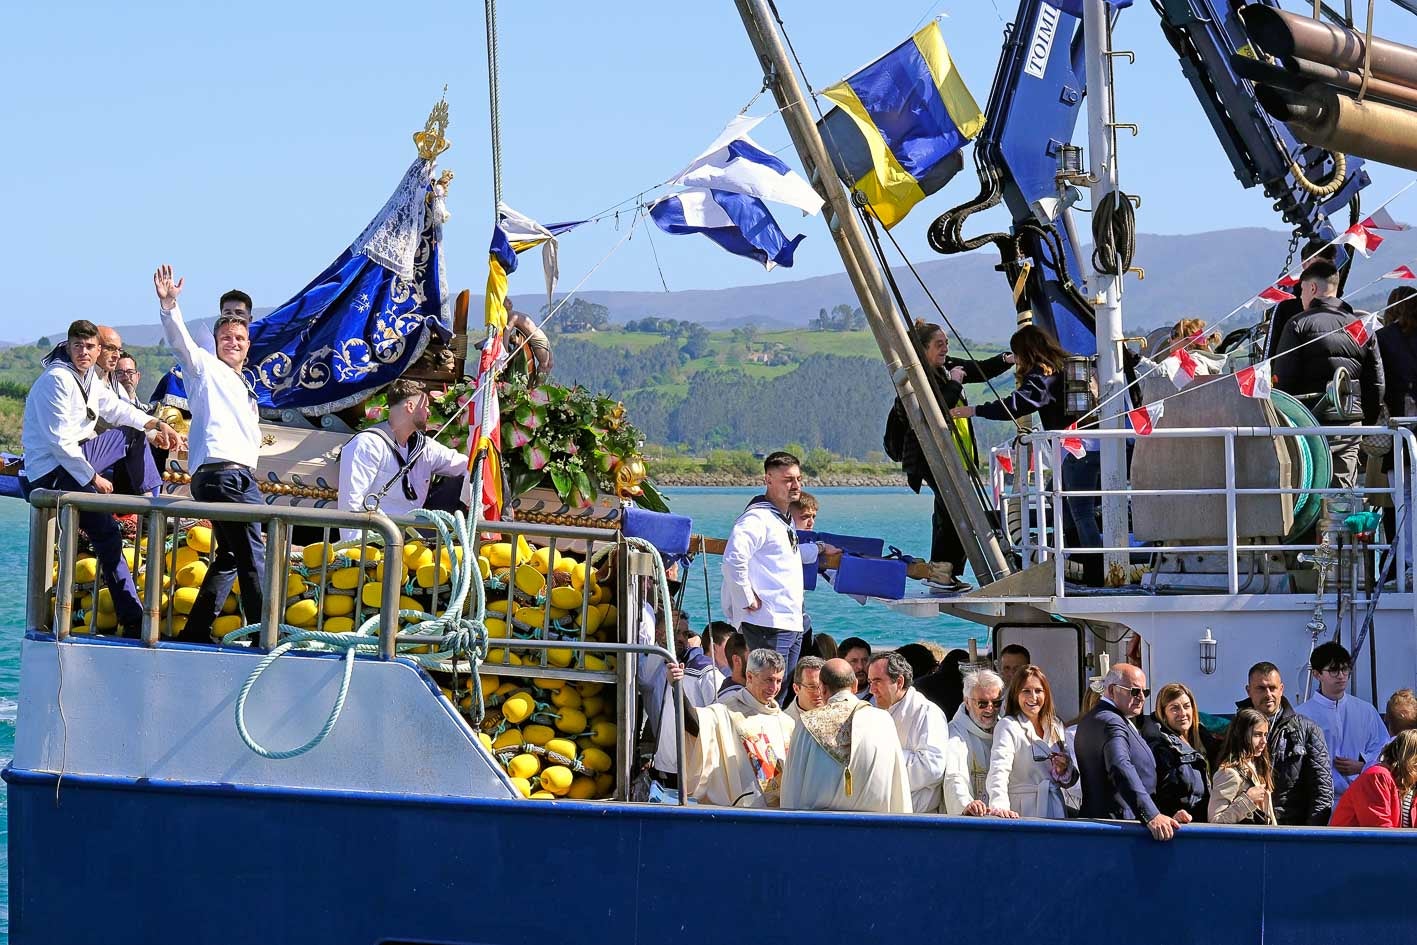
[
  {"x": 1289, "y": 280},
  {"x": 1401, "y": 272},
  {"x": 1072, "y": 445},
  {"x": 1273, "y": 294},
  {"x": 1181, "y": 368},
  {"x": 1144, "y": 418},
  {"x": 1254, "y": 380},
  {"x": 1006, "y": 463},
  {"x": 1361, "y": 238},
  {"x": 1382, "y": 220},
  {"x": 1361, "y": 329}
]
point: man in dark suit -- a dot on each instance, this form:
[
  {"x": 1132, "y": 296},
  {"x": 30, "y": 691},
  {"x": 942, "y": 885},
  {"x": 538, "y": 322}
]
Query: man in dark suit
[{"x": 1115, "y": 763}]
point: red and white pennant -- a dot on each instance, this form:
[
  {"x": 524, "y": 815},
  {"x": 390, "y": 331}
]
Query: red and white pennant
[
  {"x": 1361, "y": 329},
  {"x": 1144, "y": 418},
  {"x": 1361, "y": 237},
  {"x": 1073, "y": 444},
  {"x": 1401, "y": 272},
  {"x": 1382, "y": 220},
  {"x": 1181, "y": 368},
  {"x": 1254, "y": 380}
]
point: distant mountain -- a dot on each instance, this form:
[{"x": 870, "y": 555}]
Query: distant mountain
[
  {"x": 1200, "y": 274},
  {"x": 1203, "y": 274}
]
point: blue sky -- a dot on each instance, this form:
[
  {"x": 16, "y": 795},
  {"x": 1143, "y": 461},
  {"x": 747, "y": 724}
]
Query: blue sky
[{"x": 248, "y": 143}]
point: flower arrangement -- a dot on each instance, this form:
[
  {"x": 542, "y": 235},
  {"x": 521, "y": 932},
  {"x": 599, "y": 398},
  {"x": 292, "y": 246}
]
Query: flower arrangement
[{"x": 566, "y": 438}]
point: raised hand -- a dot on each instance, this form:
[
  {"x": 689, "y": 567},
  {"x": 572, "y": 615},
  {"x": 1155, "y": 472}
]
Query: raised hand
[{"x": 167, "y": 289}]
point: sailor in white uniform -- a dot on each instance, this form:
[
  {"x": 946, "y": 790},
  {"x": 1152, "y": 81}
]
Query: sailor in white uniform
[{"x": 395, "y": 461}]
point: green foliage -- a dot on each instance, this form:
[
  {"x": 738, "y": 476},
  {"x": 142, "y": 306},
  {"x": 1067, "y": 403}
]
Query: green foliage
[
  {"x": 577, "y": 315},
  {"x": 840, "y": 318}
]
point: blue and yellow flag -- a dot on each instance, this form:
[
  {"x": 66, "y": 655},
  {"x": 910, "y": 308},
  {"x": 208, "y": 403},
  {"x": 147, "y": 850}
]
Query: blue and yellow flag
[{"x": 900, "y": 124}]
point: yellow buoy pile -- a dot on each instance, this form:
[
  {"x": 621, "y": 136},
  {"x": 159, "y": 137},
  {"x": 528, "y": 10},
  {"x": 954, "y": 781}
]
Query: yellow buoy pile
[
  {"x": 184, "y": 568},
  {"x": 555, "y": 738}
]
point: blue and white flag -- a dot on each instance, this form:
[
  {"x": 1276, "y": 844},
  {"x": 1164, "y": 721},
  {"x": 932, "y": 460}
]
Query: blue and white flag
[
  {"x": 736, "y": 163},
  {"x": 740, "y": 223}
]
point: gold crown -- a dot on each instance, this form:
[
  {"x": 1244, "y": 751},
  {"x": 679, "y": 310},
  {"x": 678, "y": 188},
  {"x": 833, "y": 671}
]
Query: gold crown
[{"x": 432, "y": 140}]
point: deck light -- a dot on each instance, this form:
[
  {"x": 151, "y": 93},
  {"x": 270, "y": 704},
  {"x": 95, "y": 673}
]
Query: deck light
[{"x": 1208, "y": 647}]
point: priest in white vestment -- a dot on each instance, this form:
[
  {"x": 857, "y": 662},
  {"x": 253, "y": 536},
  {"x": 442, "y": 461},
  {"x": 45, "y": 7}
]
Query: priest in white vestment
[
  {"x": 963, "y": 791},
  {"x": 734, "y": 749},
  {"x": 922, "y": 728},
  {"x": 846, "y": 755}
]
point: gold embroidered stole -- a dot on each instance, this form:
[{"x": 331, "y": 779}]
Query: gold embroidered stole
[{"x": 830, "y": 727}]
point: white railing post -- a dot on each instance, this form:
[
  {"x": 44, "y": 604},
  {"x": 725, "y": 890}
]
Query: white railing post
[
  {"x": 1060, "y": 564},
  {"x": 1232, "y": 529}
]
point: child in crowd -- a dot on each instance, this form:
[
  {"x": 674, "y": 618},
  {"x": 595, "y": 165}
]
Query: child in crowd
[{"x": 1241, "y": 792}]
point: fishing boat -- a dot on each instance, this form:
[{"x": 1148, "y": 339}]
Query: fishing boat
[{"x": 361, "y": 782}]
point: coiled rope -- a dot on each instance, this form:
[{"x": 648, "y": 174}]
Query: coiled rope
[
  {"x": 462, "y": 636},
  {"x": 1114, "y": 234}
]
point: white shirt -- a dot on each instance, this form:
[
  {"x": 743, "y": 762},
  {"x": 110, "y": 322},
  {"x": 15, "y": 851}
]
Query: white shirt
[
  {"x": 226, "y": 423},
  {"x": 761, "y": 559},
  {"x": 1352, "y": 729},
  {"x": 924, "y": 732},
  {"x": 368, "y": 462},
  {"x": 57, "y": 420}
]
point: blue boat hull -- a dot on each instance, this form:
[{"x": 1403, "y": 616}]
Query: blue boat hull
[{"x": 115, "y": 861}]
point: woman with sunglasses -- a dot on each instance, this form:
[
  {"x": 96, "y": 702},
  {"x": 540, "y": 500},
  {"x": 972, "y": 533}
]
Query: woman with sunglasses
[
  {"x": 1173, "y": 731},
  {"x": 1030, "y": 770},
  {"x": 1243, "y": 789}
]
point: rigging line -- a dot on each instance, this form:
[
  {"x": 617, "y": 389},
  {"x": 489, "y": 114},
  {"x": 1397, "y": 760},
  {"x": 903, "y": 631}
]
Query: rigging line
[
  {"x": 811, "y": 92},
  {"x": 962, "y": 342},
  {"x": 971, "y": 469},
  {"x": 1212, "y": 379},
  {"x": 574, "y": 289},
  {"x": 649, "y": 235},
  {"x": 1180, "y": 342},
  {"x": 494, "y": 101},
  {"x": 934, "y": 5},
  {"x": 639, "y": 197}
]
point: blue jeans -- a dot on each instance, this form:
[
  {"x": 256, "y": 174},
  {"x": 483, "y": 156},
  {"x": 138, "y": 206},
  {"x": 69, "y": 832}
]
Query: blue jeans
[
  {"x": 240, "y": 552},
  {"x": 786, "y": 642},
  {"x": 107, "y": 543}
]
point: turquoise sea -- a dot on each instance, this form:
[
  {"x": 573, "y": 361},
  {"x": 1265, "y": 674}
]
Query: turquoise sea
[{"x": 897, "y": 515}]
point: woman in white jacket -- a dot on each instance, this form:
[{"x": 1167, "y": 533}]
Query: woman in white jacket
[{"x": 1030, "y": 770}]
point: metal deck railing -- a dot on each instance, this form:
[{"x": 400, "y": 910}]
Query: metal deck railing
[
  {"x": 50, "y": 594},
  {"x": 1033, "y": 497}
]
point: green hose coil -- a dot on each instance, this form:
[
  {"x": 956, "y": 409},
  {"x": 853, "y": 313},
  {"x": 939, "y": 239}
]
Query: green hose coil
[{"x": 1315, "y": 463}]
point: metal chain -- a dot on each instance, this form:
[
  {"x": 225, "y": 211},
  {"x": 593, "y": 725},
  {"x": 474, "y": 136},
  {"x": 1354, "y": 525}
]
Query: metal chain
[{"x": 1293, "y": 248}]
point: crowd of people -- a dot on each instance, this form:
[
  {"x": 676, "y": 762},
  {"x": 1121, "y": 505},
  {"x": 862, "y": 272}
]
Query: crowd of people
[
  {"x": 847, "y": 728},
  {"x": 86, "y": 429},
  {"x": 775, "y": 714}
]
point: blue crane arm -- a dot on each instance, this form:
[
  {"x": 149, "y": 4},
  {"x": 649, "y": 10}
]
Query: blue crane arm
[{"x": 1032, "y": 116}]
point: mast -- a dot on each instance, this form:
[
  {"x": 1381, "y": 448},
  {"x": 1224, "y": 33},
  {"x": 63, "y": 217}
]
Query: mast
[
  {"x": 911, "y": 380},
  {"x": 1107, "y": 300}
]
